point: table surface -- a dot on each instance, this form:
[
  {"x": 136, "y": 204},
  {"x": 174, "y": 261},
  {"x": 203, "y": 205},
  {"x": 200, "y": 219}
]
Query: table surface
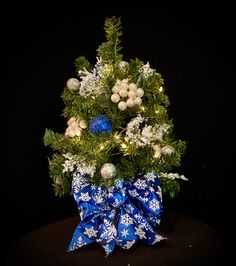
[{"x": 189, "y": 242}]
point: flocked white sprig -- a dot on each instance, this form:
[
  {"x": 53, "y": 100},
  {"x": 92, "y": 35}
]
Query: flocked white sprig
[
  {"x": 173, "y": 176},
  {"x": 75, "y": 162},
  {"x": 146, "y": 135}
]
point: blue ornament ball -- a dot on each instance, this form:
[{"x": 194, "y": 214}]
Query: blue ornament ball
[{"x": 100, "y": 124}]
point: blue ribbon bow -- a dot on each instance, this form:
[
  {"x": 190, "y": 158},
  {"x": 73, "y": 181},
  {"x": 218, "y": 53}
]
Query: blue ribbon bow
[{"x": 120, "y": 215}]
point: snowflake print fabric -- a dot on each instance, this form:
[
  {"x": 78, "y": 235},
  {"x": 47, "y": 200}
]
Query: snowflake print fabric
[{"x": 119, "y": 215}]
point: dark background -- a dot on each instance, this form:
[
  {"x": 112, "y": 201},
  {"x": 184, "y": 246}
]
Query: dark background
[{"x": 192, "y": 49}]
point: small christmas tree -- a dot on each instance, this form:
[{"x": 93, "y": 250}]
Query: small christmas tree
[{"x": 118, "y": 148}]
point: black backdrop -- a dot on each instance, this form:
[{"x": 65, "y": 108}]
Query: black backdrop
[{"x": 194, "y": 52}]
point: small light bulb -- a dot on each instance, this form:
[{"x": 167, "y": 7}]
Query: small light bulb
[
  {"x": 123, "y": 145},
  {"x": 156, "y": 111},
  {"x": 101, "y": 147},
  {"x": 117, "y": 137},
  {"x": 142, "y": 108},
  {"x": 160, "y": 89}
]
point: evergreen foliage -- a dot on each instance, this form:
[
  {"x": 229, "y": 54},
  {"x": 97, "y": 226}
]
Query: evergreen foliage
[{"x": 85, "y": 150}]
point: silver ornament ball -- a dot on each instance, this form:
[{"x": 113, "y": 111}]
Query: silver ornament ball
[
  {"x": 73, "y": 84},
  {"x": 108, "y": 170}
]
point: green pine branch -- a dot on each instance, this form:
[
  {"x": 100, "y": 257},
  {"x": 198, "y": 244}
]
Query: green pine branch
[{"x": 109, "y": 51}]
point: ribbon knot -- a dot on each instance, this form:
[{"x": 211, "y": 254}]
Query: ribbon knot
[{"x": 119, "y": 215}]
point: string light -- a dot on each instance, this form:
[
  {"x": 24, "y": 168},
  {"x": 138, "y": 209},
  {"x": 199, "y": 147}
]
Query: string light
[
  {"x": 123, "y": 145},
  {"x": 142, "y": 108},
  {"x": 160, "y": 89},
  {"x": 156, "y": 111},
  {"x": 101, "y": 146}
]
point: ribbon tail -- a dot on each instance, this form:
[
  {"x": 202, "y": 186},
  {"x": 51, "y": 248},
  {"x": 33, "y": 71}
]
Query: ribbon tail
[
  {"x": 107, "y": 232},
  {"x": 84, "y": 234}
]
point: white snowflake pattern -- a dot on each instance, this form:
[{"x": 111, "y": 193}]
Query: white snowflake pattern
[
  {"x": 78, "y": 183},
  {"x": 144, "y": 199},
  {"x": 129, "y": 208},
  {"x": 147, "y": 71},
  {"x": 151, "y": 189},
  {"x": 90, "y": 232},
  {"x": 128, "y": 244},
  {"x": 158, "y": 238},
  {"x": 110, "y": 231},
  {"x": 139, "y": 232},
  {"x": 126, "y": 219},
  {"x": 154, "y": 204},
  {"x": 84, "y": 196},
  {"x": 124, "y": 233},
  {"x": 107, "y": 249},
  {"x": 98, "y": 198},
  {"x": 80, "y": 242},
  {"x": 140, "y": 184},
  {"x": 150, "y": 177},
  {"x": 133, "y": 193}
]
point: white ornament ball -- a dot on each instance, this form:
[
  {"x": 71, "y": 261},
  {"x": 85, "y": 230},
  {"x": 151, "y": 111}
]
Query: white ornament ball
[
  {"x": 83, "y": 124},
  {"x": 138, "y": 100},
  {"x": 132, "y": 86},
  {"x": 116, "y": 89},
  {"x": 140, "y": 92},
  {"x": 130, "y": 102},
  {"x": 73, "y": 84},
  {"x": 122, "y": 106},
  {"x": 115, "y": 98},
  {"x": 108, "y": 170},
  {"x": 132, "y": 94},
  {"x": 123, "y": 92}
]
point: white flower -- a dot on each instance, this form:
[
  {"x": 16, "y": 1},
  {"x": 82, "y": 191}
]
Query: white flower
[
  {"x": 84, "y": 196},
  {"x": 154, "y": 204},
  {"x": 90, "y": 232},
  {"x": 126, "y": 219}
]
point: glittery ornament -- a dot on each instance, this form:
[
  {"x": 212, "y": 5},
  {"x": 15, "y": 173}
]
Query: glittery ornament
[
  {"x": 138, "y": 100},
  {"x": 73, "y": 84},
  {"x": 139, "y": 92},
  {"x": 83, "y": 124},
  {"x": 132, "y": 86},
  {"x": 108, "y": 170},
  {"x": 130, "y": 102},
  {"x": 132, "y": 94},
  {"x": 115, "y": 98},
  {"x": 100, "y": 124},
  {"x": 122, "y": 106},
  {"x": 123, "y": 92},
  {"x": 116, "y": 89}
]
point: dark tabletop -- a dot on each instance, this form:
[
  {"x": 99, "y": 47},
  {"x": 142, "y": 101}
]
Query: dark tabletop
[{"x": 189, "y": 242}]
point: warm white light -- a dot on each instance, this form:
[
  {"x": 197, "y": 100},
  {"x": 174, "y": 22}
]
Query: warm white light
[
  {"x": 123, "y": 145},
  {"x": 160, "y": 89},
  {"x": 142, "y": 108},
  {"x": 101, "y": 147},
  {"x": 156, "y": 111},
  {"x": 117, "y": 137}
]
